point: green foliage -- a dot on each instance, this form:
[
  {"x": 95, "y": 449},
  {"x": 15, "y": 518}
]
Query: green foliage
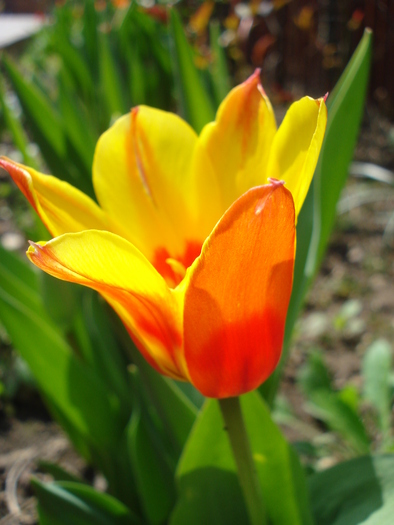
[
  {"x": 360, "y": 491},
  {"x": 377, "y": 372},
  {"x": 221, "y": 83},
  {"x": 206, "y": 475},
  {"x": 176, "y": 411},
  {"x": 147, "y": 456},
  {"x": 90, "y": 89},
  {"x": 341, "y": 409},
  {"x": 331, "y": 406},
  {"x": 86, "y": 404},
  {"x": 14, "y": 126},
  {"x": 197, "y": 107},
  {"x": 345, "y": 109},
  {"x": 65, "y": 502}
]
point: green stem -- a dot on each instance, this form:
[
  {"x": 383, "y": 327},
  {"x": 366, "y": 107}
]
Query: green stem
[{"x": 239, "y": 440}]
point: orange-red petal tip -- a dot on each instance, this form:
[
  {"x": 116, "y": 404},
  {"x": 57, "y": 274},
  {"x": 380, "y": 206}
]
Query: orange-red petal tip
[{"x": 275, "y": 182}]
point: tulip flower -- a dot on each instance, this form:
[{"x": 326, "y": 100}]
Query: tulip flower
[{"x": 193, "y": 240}]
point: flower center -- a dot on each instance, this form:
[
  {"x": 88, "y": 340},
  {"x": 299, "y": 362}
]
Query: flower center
[{"x": 173, "y": 269}]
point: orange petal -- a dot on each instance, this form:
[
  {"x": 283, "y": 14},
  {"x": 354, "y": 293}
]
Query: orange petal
[
  {"x": 60, "y": 206},
  {"x": 237, "y": 294},
  {"x": 238, "y": 142},
  {"x": 115, "y": 268}
]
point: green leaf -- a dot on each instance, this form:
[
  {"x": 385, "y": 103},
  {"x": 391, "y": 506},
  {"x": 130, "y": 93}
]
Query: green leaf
[
  {"x": 314, "y": 375},
  {"x": 90, "y": 25},
  {"x": 130, "y": 35},
  {"x": 74, "y": 62},
  {"x": 154, "y": 478},
  {"x": 77, "y": 125},
  {"x": 339, "y": 410},
  {"x": 102, "y": 350},
  {"x": 209, "y": 491},
  {"x": 315, "y": 222},
  {"x": 63, "y": 378},
  {"x": 377, "y": 366},
  {"x": 19, "y": 137},
  {"x": 360, "y": 491},
  {"x": 195, "y": 101},
  {"x": 61, "y": 312},
  {"x": 48, "y": 129},
  {"x": 174, "y": 408},
  {"x": 45, "y": 123},
  {"x": 340, "y": 417},
  {"x": 57, "y": 472},
  {"x": 18, "y": 278},
  {"x": 345, "y": 110},
  {"x": 65, "y": 503},
  {"x": 136, "y": 74},
  {"x": 221, "y": 81},
  {"x": 110, "y": 82}
]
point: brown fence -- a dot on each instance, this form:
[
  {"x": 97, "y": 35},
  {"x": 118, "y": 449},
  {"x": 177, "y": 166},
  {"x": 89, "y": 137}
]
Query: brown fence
[
  {"x": 314, "y": 40},
  {"x": 307, "y": 43}
]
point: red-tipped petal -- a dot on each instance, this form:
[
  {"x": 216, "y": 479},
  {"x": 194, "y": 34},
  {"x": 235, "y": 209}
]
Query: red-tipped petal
[
  {"x": 236, "y": 146},
  {"x": 123, "y": 276},
  {"x": 60, "y": 206}
]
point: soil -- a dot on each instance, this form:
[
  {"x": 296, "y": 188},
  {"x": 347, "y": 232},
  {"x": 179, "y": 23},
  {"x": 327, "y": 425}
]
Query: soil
[{"x": 359, "y": 267}]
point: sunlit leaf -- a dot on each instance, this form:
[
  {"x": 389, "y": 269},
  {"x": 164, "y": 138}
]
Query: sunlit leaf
[
  {"x": 221, "y": 81},
  {"x": 356, "y": 492},
  {"x": 196, "y": 104},
  {"x": 345, "y": 109},
  {"x": 377, "y": 368},
  {"x": 209, "y": 490}
]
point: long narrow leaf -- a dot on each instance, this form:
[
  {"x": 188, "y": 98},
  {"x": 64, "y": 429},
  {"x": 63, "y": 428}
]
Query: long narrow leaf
[
  {"x": 317, "y": 216},
  {"x": 103, "y": 353},
  {"x": 66, "y": 502},
  {"x": 110, "y": 82},
  {"x": 345, "y": 111},
  {"x": 221, "y": 81},
  {"x": 196, "y": 104},
  {"x": 76, "y": 65},
  {"x": 153, "y": 475},
  {"x": 45, "y": 122},
  {"x": 17, "y": 132},
  {"x": 62, "y": 377},
  {"x": 175, "y": 410},
  {"x": 90, "y": 27},
  {"x": 77, "y": 126}
]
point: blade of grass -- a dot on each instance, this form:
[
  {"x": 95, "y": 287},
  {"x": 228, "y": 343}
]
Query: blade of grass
[{"x": 197, "y": 106}]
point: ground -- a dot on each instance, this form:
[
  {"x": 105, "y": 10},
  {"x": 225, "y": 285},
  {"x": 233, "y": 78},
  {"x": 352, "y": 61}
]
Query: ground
[{"x": 350, "y": 305}]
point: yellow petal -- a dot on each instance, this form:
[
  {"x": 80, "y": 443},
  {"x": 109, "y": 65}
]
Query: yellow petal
[
  {"x": 296, "y": 147},
  {"x": 61, "y": 207},
  {"x": 123, "y": 276},
  {"x": 141, "y": 175},
  {"x": 238, "y": 141}
]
